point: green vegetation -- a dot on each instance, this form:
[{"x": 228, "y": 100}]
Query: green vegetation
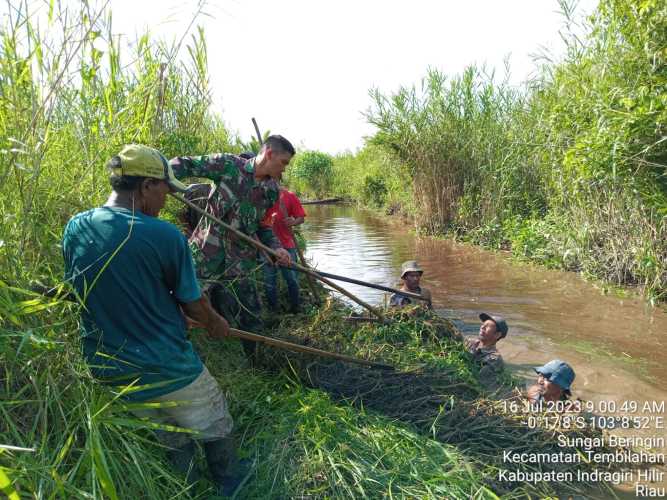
[
  {"x": 66, "y": 107},
  {"x": 568, "y": 172},
  {"x": 373, "y": 178},
  {"x": 313, "y": 427},
  {"x": 311, "y": 173},
  {"x": 68, "y": 101}
]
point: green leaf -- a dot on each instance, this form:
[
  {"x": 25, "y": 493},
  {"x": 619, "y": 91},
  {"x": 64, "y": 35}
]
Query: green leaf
[{"x": 6, "y": 485}]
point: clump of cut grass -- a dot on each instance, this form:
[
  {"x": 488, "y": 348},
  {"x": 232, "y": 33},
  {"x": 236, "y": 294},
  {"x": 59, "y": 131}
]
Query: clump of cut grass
[{"x": 435, "y": 392}]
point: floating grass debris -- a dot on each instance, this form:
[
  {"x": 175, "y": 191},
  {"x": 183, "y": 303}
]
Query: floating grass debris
[{"x": 438, "y": 394}]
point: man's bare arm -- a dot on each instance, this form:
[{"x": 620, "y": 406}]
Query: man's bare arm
[
  {"x": 201, "y": 312},
  {"x": 294, "y": 221}
]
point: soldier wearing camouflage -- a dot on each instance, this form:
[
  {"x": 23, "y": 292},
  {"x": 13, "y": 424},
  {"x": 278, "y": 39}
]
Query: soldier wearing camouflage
[
  {"x": 489, "y": 359},
  {"x": 240, "y": 197}
]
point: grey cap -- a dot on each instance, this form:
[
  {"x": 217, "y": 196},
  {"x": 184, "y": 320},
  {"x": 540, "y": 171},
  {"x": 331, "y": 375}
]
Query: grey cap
[
  {"x": 410, "y": 266},
  {"x": 501, "y": 324},
  {"x": 558, "y": 372}
]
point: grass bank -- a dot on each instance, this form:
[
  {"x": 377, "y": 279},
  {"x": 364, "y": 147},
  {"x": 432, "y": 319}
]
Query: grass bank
[{"x": 314, "y": 428}]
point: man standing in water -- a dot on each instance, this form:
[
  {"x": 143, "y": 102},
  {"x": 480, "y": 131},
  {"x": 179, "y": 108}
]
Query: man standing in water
[
  {"x": 484, "y": 350},
  {"x": 553, "y": 382},
  {"x": 134, "y": 274},
  {"x": 411, "y": 274},
  {"x": 244, "y": 190}
]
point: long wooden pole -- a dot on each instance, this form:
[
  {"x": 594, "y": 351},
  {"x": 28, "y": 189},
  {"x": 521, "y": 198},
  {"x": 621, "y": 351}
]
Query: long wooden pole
[
  {"x": 273, "y": 253},
  {"x": 259, "y": 136},
  {"x": 282, "y": 344},
  {"x": 311, "y": 283},
  {"x": 53, "y": 292},
  {"x": 372, "y": 285}
]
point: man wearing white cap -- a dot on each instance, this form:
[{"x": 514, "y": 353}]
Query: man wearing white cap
[{"x": 411, "y": 274}]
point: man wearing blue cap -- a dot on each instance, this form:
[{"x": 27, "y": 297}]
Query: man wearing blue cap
[
  {"x": 484, "y": 350},
  {"x": 553, "y": 382}
]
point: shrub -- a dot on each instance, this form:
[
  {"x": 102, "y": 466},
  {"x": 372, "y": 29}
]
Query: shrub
[{"x": 312, "y": 172}]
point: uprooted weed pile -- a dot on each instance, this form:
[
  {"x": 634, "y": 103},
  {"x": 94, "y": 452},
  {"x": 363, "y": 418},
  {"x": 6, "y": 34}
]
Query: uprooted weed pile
[
  {"x": 314, "y": 429},
  {"x": 436, "y": 390}
]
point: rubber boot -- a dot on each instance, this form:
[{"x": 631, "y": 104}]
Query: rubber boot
[
  {"x": 227, "y": 471},
  {"x": 183, "y": 461}
]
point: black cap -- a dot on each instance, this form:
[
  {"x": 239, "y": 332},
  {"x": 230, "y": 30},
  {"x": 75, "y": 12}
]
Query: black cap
[{"x": 501, "y": 324}]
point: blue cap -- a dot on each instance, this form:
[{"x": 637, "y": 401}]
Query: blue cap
[{"x": 558, "y": 372}]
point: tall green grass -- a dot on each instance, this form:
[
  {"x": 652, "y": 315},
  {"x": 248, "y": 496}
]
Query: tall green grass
[
  {"x": 70, "y": 97},
  {"x": 568, "y": 171},
  {"x": 71, "y": 94}
]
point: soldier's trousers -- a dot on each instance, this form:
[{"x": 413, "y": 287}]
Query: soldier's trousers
[{"x": 237, "y": 301}]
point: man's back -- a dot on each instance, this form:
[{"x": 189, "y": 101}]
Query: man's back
[{"x": 132, "y": 271}]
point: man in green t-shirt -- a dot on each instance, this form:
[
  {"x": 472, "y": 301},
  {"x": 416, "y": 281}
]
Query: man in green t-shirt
[{"x": 135, "y": 275}]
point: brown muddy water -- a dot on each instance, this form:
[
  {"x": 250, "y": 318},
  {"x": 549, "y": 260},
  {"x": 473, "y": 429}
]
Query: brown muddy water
[{"x": 617, "y": 346}]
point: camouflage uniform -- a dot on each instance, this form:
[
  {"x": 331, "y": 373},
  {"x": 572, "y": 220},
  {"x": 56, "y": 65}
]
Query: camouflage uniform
[
  {"x": 398, "y": 300},
  {"x": 490, "y": 360},
  {"x": 239, "y": 200},
  {"x": 197, "y": 194}
]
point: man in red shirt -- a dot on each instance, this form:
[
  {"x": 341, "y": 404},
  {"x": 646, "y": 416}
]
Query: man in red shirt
[{"x": 282, "y": 217}]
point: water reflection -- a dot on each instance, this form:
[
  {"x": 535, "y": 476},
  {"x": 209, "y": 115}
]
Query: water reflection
[{"x": 617, "y": 345}]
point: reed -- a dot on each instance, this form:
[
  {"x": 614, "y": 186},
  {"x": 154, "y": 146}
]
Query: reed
[{"x": 560, "y": 171}]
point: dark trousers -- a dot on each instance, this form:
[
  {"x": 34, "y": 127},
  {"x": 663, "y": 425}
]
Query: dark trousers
[{"x": 271, "y": 282}]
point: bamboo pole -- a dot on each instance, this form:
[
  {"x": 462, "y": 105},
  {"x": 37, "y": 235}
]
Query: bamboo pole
[
  {"x": 282, "y": 344},
  {"x": 372, "y": 285},
  {"x": 54, "y": 292},
  {"x": 259, "y": 136},
  {"x": 273, "y": 253}
]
